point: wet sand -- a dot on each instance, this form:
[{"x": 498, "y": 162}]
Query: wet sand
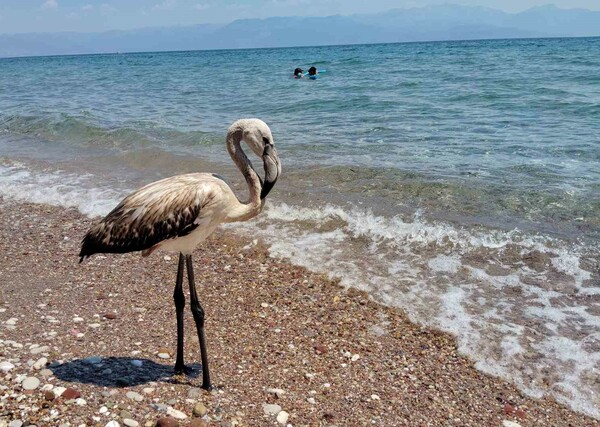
[{"x": 334, "y": 357}]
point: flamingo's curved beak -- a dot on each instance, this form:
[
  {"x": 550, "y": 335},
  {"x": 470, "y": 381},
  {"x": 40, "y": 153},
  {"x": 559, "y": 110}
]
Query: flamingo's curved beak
[{"x": 272, "y": 169}]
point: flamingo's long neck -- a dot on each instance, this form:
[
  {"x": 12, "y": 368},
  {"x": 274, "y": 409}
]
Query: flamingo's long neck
[{"x": 252, "y": 207}]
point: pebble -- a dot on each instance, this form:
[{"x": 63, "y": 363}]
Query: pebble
[
  {"x": 507, "y": 423},
  {"x": 164, "y": 355},
  {"x": 77, "y": 319},
  {"x": 58, "y": 391},
  {"x": 46, "y": 373},
  {"x": 38, "y": 350},
  {"x": 282, "y": 417},
  {"x": 176, "y": 414},
  {"x": 133, "y": 395},
  {"x": 30, "y": 383},
  {"x": 110, "y": 316},
  {"x": 112, "y": 423},
  {"x": 40, "y": 363},
  {"x": 199, "y": 410},
  {"x": 355, "y": 357},
  {"x": 70, "y": 393},
  {"x": 276, "y": 391},
  {"x": 6, "y": 366},
  {"x": 199, "y": 422},
  {"x": 137, "y": 363},
  {"x": 148, "y": 390},
  {"x": 311, "y": 400},
  {"x": 81, "y": 402},
  {"x": 194, "y": 393},
  {"x": 375, "y": 397},
  {"x": 271, "y": 408},
  {"x": 16, "y": 423},
  {"x": 167, "y": 422},
  {"x": 94, "y": 325},
  {"x": 49, "y": 395},
  {"x": 125, "y": 414},
  {"x": 130, "y": 423},
  {"x": 92, "y": 360},
  {"x": 103, "y": 410},
  {"x": 12, "y": 321}
]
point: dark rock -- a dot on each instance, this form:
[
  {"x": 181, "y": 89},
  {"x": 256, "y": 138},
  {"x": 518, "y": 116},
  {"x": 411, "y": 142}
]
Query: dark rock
[
  {"x": 167, "y": 422},
  {"x": 49, "y": 395},
  {"x": 70, "y": 393},
  {"x": 110, "y": 316},
  {"x": 320, "y": 349}
]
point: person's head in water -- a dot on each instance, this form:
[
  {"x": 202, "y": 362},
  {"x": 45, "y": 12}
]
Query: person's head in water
[
  {"x": 298, "y": 73},
  {"x": 312, "y": 71}
]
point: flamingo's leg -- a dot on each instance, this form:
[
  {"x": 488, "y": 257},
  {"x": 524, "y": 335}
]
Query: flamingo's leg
[
  {"x": 179, "y": 298},
  {"x": 198, "y": 313}
]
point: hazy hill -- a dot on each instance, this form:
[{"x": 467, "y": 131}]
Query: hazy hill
[{"x": 441, "y": 22}]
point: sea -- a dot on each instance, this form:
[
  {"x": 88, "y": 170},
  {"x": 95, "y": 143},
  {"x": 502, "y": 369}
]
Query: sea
[{"x": 458, "y": 181}]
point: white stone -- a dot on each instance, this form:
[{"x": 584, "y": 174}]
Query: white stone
[
  {"x": 374, "y": 397},
  {"x": 58, "y": 391},
  {"x": 355, "y": 357},
  {"x": 130, "y": 423},
  {"x": 271, "y": 408},
  {"x": 311, "y": 400},
  {"x": 282, "y": 418},
  {"x": 15, "y": 423},
  {"x": 137, "y": 363},
  {"x": 148, "y": 390},
  {"x": 112, "y": 423},
  {"x": 164, "y": 355},
  {"x": 12, "y": 321},
  {"x": 41, "y": 362},
  {"x": 134, "y": 396},
  {"x": 176, "y": 414},
  {"x": 94, "y": 326},
  {"x": 103, "y": 410},
  {"x": 264, "y": 304},
  {"x": 39, "y": 350},
  {"x": 80, "y": 401},
  {"x": 47, "y": 387},
  {"x": 167, "y": 258},
  {"x": 30, "y": 383},
  {"x": 507, "y": 423},
  {"x": 6, "y": 366}
]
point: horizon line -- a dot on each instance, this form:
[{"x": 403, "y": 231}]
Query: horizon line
[{"x": 297, "y": 47}]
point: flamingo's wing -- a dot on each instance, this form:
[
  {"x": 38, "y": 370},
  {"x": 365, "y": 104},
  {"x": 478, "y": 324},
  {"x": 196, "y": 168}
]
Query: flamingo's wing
[{"x": 162, "y": 210}]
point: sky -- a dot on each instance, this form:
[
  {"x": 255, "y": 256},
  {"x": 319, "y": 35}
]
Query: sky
[{"x": 25, "y": 16}]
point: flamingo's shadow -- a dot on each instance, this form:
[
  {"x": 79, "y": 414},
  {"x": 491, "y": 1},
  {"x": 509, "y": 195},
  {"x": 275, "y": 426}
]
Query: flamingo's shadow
[{"x": 116, "y": 371}]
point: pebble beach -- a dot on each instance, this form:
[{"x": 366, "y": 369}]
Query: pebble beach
[{"x": 93, "y": 344}]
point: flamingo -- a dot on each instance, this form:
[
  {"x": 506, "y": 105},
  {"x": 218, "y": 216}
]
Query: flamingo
[{"x": 176, "y": 214}]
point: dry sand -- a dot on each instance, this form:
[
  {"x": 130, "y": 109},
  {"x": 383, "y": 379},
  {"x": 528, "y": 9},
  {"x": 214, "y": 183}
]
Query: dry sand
[{"x": 338, "y": 358}]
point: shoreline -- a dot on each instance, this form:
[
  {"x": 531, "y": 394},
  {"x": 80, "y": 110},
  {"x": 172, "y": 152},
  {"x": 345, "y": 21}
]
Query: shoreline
[{"x": 339, "y": 357}]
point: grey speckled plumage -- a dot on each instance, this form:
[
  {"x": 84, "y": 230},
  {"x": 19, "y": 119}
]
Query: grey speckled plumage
[{"x": 162, "y": 210}]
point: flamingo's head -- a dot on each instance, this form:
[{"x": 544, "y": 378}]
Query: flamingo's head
[{"x": 258, "y": 136}]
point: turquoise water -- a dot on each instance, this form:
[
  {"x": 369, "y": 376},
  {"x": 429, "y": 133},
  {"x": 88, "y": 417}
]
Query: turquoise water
[{"x": 457, "y": 180}]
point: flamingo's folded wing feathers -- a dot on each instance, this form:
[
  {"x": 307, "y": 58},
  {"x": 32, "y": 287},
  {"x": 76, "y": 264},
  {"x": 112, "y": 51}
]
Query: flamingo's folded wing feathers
[{"x": 152, "y": 214}]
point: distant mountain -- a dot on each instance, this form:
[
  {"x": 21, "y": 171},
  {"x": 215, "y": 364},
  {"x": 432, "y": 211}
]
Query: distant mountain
[{"x": 440, "y": 22}]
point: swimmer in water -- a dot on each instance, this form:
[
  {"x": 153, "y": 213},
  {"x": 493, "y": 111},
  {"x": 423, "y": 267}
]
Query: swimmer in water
[
  {"x": 313, "y": 73},
  {"x": 298, "y": 73}
]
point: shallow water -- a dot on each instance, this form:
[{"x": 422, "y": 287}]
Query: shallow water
[{"x": 457, "y": 180}]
